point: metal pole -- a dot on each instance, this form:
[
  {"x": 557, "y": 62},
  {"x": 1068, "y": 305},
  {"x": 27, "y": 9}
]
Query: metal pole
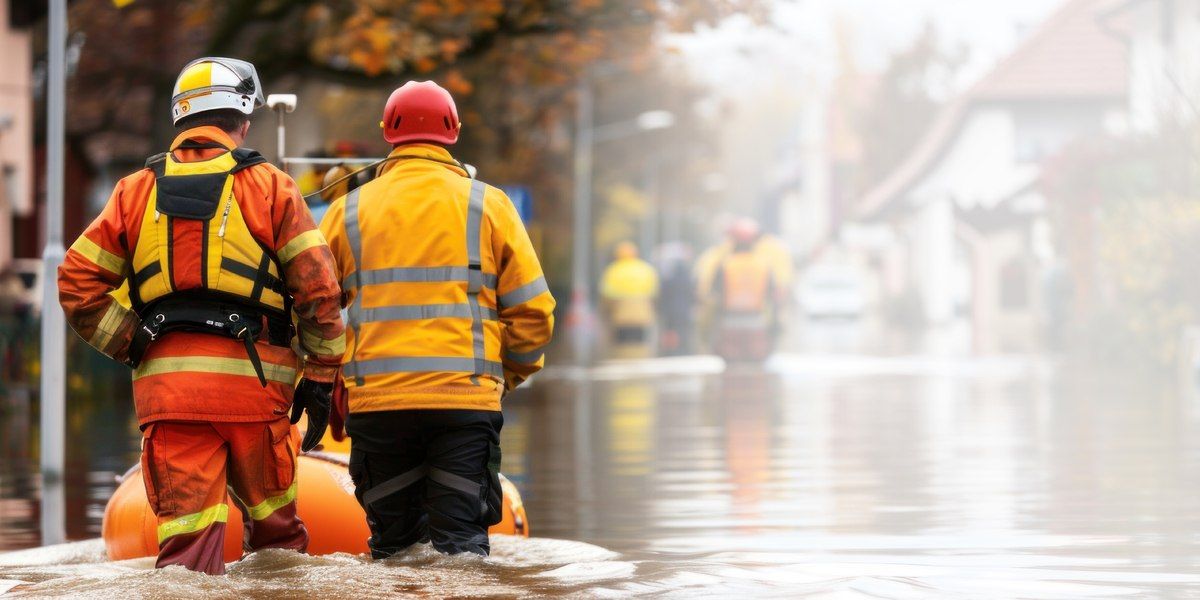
[
  {"x": 280, "y": 138},
  {"x": 581, "y": 320},
  {"x": 53, "y": 362}
]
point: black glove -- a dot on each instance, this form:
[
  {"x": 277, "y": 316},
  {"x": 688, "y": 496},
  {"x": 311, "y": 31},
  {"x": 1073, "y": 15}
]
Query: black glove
[{"x": 312, "y": 397}]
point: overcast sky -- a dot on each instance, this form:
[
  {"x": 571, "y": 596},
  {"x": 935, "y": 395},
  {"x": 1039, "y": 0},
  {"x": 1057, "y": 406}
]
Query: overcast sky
[{"x": 802, "y": 41}]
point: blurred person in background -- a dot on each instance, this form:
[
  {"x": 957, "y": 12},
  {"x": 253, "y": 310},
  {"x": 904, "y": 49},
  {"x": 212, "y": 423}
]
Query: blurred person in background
[
  {"x": 628, "y": 290},
  {"x": 448, "y": 310},
  {"x": 192, "y": 275},
  {"x": 742, "y": 288},
  {"x": 676, "y": 300},
  {"x": 334, "y": 181},
  {"x": 311, "y": 180}
]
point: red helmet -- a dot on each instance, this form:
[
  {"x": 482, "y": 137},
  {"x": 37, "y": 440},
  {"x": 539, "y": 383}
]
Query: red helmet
[
  {"x": 744, "y": 230},
  {"x": 420, "y": 111}
]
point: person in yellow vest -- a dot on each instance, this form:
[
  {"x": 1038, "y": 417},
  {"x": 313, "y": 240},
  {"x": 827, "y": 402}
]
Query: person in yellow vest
[
  {"x": 629, "y": 288},
  {"x": 198, "y": 274},
  {"x": 448, "y": 310}
]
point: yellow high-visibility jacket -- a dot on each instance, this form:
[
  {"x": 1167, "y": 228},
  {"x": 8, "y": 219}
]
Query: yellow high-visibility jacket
[
  {"x": 629, "y": 287},
  {"x": 447, "y": 303}
]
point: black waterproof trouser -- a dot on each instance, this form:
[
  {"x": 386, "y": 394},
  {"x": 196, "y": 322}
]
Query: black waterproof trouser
[{"x": 427, "y": 475}]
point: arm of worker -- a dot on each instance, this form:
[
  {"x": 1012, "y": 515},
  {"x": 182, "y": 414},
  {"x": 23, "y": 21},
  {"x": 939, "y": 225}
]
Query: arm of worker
[
  {"x": 312, "y": 281},
  {"x": 334, "y": 229},
  {"x": 94, "y": 267},
  {"x": 523, "y": 300}
]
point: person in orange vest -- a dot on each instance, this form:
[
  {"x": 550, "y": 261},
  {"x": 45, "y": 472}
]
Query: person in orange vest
[
  {"x": 448, "y": 310},
  {"x": 743, "y": 294},
  {"x": 191, "y": 275}
]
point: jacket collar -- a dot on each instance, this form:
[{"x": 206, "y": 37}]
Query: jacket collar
[
  {"x": 205, "y": 133},
  {"x": 437, "y": 155}
]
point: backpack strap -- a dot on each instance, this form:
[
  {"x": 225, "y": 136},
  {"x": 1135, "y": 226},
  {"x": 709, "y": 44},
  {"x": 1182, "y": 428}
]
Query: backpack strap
[
  {"x": 157, "y": 163},
  {"x": 246, "y": 158}
]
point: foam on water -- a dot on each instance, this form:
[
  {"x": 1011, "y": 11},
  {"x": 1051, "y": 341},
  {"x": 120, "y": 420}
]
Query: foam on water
[{"x": 518, "y": 566}]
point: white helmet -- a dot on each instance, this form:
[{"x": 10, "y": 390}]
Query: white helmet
[{"x": 213, "y": 83}]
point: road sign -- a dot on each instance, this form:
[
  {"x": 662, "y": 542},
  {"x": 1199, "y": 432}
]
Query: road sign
[{"x": 522, "y": 199}]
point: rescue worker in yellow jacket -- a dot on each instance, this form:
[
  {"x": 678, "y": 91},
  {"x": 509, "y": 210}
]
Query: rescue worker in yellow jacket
[
  {"x": 191, "y": 275},
  {"x": 628, "y": 288},
  {"x": 448, "y": 309}
]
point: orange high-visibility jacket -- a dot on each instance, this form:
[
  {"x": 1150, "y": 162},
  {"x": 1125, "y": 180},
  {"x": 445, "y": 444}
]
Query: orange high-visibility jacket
[
  {"x": 200, "y": 376},
  {"x": 446, "y": 299}
]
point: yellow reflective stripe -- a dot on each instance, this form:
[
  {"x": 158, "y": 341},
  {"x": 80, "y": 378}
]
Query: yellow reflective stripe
[
  {"x": 300, "y": 243},
  {"x": 213, "y": 364},
  {"x": 267, "y": 507},
  {"x": 196, "y": 77},
  {"x": 193, "y": 522},
  {"x": 313, "y": 342},
  {"x": 113, "y": 317},
  {"x": 99, "y": 256}
]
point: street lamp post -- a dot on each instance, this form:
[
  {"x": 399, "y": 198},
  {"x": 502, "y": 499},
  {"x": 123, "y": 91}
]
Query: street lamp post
[
  {"x": 581, "y": 318},
  {"x": 54, "y": 358}
]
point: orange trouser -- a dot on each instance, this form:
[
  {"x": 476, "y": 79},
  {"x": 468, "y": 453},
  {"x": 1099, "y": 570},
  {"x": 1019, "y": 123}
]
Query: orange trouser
[{"x": 187, "y": 467}]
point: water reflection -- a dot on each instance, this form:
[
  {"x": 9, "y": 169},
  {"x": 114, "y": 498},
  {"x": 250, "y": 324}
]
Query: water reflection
[{"x": 902, "y": 479}]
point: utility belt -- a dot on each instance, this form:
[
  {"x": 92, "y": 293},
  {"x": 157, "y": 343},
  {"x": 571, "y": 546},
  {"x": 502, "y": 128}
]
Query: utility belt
[{"x": 217, "y": 316}]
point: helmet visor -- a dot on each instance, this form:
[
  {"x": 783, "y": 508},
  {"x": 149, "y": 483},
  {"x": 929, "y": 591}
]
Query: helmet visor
[{"x": 248, "y": 83}]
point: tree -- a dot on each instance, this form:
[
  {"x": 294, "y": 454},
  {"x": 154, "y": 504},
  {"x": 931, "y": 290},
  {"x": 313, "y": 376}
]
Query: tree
[{"x": 510, "y": 64}]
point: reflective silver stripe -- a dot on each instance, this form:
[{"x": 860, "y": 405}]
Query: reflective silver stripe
[
  {"x": 415, "y": 275},
  {"x": 454, "y": 482},
  {"x": 425, "y": 364},
  {"x": 475, "y": 274},
  {"x": 526, "y": 358},
  {"x": 413, "y": 312},
  {"x": 524, "y": 293},
  {"x": 355, "y": 310}
]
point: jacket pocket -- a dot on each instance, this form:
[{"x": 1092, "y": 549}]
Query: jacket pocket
[
  {"x": 282, "y": 453},
  {"x": 149, "y": 477}
]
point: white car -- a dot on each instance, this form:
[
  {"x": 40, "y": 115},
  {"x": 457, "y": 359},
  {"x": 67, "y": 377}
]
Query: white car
[{"x": 829, "y": 291}]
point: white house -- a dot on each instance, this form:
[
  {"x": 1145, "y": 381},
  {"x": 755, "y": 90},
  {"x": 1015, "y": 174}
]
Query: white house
[
  {"x": 965, "y": 202},
  {"x": 1163, "y": 38}
]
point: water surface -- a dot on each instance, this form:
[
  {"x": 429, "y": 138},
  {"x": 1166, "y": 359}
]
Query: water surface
[{"x": 820, "y": 476}]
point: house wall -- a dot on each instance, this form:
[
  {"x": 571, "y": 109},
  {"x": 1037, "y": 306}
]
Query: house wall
[
  {"x": 1164, "y": 85},
  {"x": 16, "y": 140}
]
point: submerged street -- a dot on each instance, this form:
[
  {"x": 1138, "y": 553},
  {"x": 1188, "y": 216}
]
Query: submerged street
[{"x": 814, "y": 475}]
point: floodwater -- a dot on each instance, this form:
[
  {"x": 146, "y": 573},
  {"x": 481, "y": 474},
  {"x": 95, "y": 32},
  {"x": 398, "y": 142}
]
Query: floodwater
[{"x": 829, "y": 476}]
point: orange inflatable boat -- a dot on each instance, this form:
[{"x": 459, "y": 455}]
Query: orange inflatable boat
[{"x": 335, "y": 521}]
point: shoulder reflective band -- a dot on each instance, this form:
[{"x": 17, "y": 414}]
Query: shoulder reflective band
[
  {"x": 99, "y": 256},
  {"x": 524, "y": 293},
  {"x": 354, "y": 311},
  {"x": 475, "y": 274}
]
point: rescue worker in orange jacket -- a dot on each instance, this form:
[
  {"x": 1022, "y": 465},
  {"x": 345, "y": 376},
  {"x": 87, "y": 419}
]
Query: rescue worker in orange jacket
[
  {"x": 214, "y": 251},
  {"x": 448, "y": 309}
]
